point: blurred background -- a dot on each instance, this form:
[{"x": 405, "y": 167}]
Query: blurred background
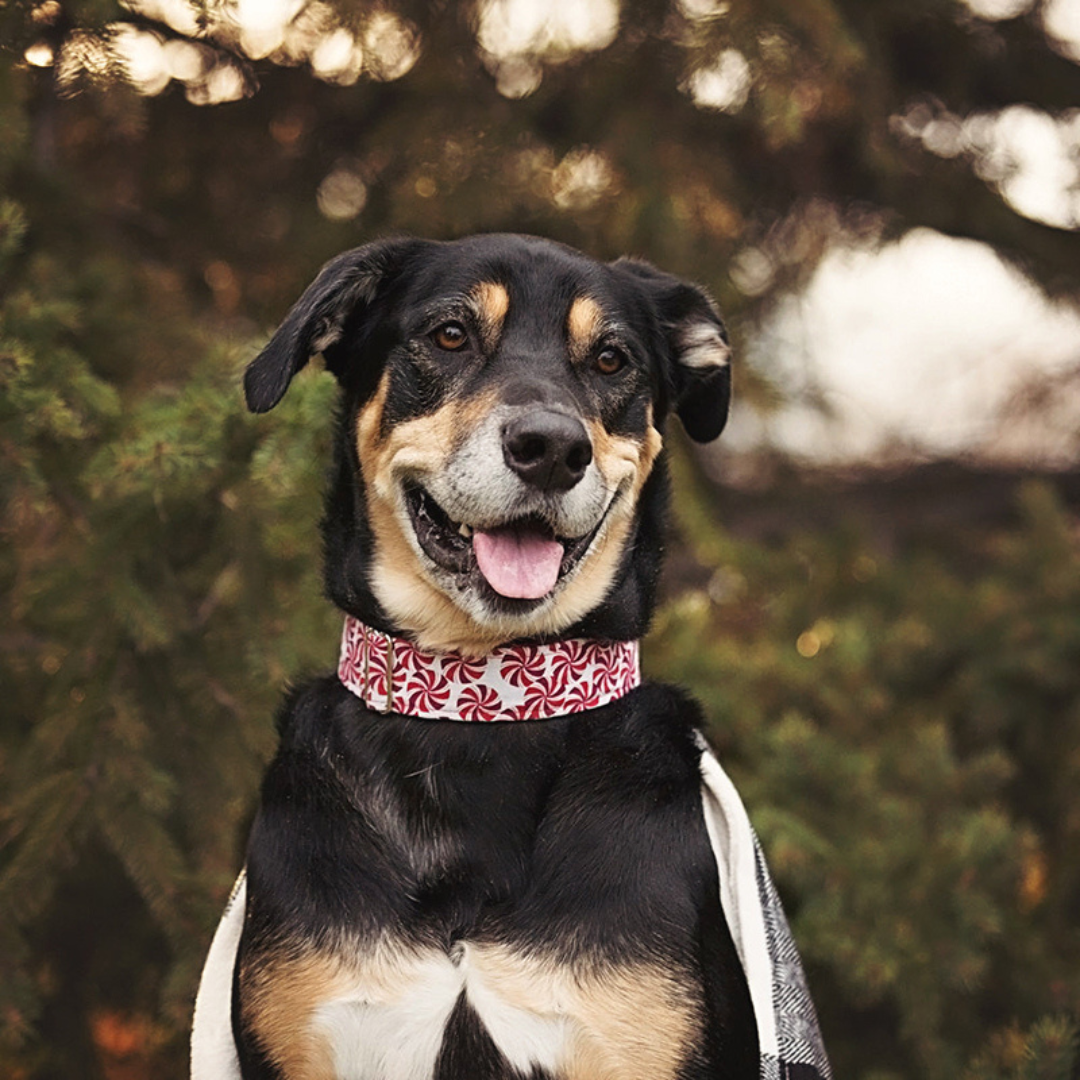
[{"x": 874, "y": 582}]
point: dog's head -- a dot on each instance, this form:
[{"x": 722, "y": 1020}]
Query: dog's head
[{"x": 497, "y": 470}]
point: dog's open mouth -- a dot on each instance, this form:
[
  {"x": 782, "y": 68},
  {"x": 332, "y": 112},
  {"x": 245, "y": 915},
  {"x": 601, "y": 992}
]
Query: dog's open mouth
[{"x": 520, "y": 560}]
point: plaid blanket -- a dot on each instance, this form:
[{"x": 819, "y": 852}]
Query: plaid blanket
[{"x": 788, "y": 1034}]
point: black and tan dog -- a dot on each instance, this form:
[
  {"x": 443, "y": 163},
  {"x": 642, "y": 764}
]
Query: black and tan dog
[{"x": 545, "y": 899}]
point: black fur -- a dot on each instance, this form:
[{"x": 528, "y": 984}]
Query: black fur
[
  {"x": 581, "y": 835},
  {"x": 576, "y": 838},
  {"x": 375, "y": 294}
]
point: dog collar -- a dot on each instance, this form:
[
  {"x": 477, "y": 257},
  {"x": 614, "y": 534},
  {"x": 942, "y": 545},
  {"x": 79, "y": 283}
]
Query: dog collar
[{"x": 513, "y": 682}]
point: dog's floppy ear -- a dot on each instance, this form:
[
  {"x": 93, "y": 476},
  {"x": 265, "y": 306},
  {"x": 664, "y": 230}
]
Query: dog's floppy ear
[
  {"x": 700, "y": 369},
  {"x": 344, "y": 287}
]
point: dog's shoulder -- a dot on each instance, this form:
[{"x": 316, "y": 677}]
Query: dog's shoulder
[
  {"x": 648, "y": 740},
  {"x": 656, "y": 727},
  {"x": 636, "y": 765},
  {"x": 308, "y": 710}
]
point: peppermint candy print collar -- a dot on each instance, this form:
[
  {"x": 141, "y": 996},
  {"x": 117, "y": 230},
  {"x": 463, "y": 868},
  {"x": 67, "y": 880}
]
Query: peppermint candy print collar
[{"x": 513, "y": 682}]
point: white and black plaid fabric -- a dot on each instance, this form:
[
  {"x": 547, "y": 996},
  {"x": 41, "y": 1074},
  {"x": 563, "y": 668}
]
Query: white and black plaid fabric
[
  {"x": 801, "y": 1053},
  {"x": 788, "y": 1032}
]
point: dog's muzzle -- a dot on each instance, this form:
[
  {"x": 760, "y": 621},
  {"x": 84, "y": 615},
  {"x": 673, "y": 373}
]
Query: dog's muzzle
[
  {"x": 515, "y": 507},
  {"x": 548, "y": 450}
]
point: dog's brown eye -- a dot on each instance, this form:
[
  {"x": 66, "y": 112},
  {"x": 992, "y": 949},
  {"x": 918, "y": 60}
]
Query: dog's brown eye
[
  {"x": 450, "y": 336},
  {"x": 608, "y": 361}
]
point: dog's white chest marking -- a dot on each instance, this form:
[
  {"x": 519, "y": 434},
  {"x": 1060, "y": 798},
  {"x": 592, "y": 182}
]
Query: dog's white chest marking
[{"x": 394, "y": 1025}]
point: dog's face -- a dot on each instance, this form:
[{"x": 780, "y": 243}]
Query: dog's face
[{"x": 504, "y": 398}]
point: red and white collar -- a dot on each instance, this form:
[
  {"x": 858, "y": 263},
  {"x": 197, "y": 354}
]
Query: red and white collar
[{"x": 513, "y": 682}]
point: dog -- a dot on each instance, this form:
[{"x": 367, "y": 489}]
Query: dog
[{"x": 568, "y": 889}]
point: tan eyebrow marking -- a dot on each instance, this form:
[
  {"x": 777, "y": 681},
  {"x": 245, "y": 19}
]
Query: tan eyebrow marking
[
  {"x": 584, "y": 325},
  {"x": 491, "y": 302}
]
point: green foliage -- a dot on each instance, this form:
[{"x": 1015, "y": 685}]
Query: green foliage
[
  {"x": 907, "y": 736},
  {"x": 905, "y": 727},
  {"x": 161, "y": 577},
  {"x": 1050, "y": 1050}
]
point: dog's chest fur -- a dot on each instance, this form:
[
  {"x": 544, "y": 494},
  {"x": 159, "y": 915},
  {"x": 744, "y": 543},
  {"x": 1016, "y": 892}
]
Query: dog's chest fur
[{"x": 439, "y": 900}]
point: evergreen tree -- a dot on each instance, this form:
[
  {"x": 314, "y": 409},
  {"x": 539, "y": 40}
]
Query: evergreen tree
[
  {"x": 906, "y": 733},
  {"x": 905, "y": 726}
]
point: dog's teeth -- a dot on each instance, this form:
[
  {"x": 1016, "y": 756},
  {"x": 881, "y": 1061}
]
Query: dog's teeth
[{"x": 464, "y": 530}]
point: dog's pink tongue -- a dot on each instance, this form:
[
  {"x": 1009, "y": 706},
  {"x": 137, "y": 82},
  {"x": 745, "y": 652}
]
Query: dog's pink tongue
[{"x": 518, "y": 563}]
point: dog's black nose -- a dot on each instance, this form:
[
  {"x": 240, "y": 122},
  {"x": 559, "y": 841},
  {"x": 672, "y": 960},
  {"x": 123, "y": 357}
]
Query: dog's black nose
[{"x": 547, "y": 449}]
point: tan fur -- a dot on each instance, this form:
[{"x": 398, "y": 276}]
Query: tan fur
[
  {"x": 491, "y": 302},
  {"x": 283, "y": 991},
  {"x": 398, "y": 577},
  {"x": 584, "y": 325},
  {"x": 701, "y": 346},
  {"x": 622, "y": 461},
  {"x": 626, "y": 1021},
  {"x": 280, "y": 995}
]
